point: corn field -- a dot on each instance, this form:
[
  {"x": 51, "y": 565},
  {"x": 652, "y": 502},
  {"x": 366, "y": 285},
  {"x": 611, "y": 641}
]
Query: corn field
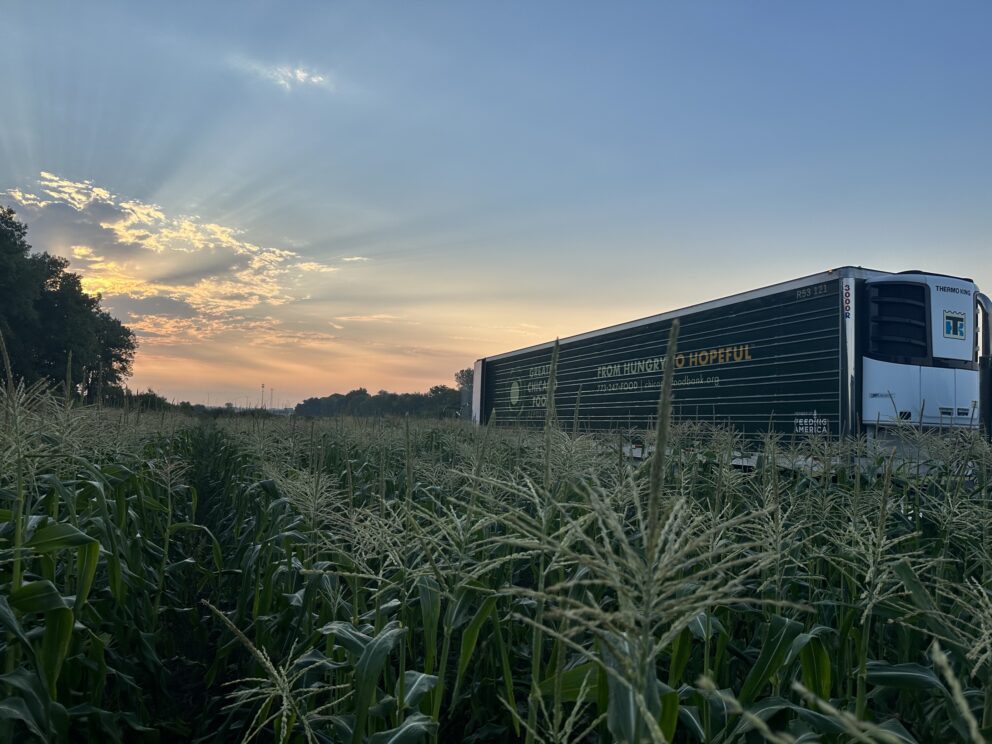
[{"x": 261, "y": 579}]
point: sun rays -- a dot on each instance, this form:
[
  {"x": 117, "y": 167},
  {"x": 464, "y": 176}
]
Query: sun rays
[{"x": 215, "y": 308}]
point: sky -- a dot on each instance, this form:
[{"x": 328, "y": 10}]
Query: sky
[{"x": 317, "y": 196}]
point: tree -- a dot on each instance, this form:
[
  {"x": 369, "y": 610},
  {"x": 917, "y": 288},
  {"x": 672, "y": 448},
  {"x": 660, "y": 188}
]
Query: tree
[
  {"x": 440, "y": 401},
  {"x": 47, "y": 319},
  {"x": 20, "y": 286},
  {"x": 464, "y": 377}
]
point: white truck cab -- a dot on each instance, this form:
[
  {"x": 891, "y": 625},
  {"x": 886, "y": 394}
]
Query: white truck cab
[{"x": 920, "y": 355}]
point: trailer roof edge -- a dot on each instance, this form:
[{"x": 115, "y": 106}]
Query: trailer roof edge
[{"x": 852, "y": 272}]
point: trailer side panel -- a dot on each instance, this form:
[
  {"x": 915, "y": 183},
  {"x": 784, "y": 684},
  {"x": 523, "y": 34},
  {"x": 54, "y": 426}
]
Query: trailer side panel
[{"x": 767, "y": 362}]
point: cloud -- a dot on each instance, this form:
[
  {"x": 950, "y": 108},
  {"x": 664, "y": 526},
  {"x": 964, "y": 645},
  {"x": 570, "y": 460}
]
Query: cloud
[
  {"x": 294, "y": 338},
  {"x": 376, "y": 318},
  {"x": 218, "y": 312},
  {"x": 141, "y": 306},
  {"x": 314, "y": 266},
  {"x": 287, "y": 77},
  {"x": 126, "y": 249},
  {"x": 77, "y": 194},
  {"x": 27, "y": 199}
]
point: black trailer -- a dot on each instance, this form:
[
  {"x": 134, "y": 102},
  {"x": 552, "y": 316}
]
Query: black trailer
[{"x": 793, "y": 358}]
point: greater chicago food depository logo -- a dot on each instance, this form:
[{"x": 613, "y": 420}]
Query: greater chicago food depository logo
[
  {"x": 954, "y": 325},
  {"x": 514, "y": 392}
]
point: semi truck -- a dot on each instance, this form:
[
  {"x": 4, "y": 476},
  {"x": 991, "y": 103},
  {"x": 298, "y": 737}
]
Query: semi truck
[{"x": 840, "y": 353}]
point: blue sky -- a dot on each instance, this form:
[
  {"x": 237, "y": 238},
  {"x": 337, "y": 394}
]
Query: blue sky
[{"x": 325, "y": 195}]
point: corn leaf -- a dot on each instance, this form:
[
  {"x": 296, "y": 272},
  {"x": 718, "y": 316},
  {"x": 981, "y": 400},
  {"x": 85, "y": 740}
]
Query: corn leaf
[
  {"x": 367, "y": 672},
  {"x": 414, "y": 729},
  {"x": 669, "y": 718},
  {"x": 904, "y": 676},
  {"x": 215, "y": 546},
  {"x": 762, "y": 710},
  {"x": 681, "y": 650},
  {"x": 55, "y": 644},
  {"x": 572, "y": 680},
  {"x": 815, "y": 661},
  {"x": 506, "y": 669},
  {"x": 60, "y": 536},
  {"x": 779, "y": 636},
  {"x": 87, "y": 558},
  {"x": 415, "y": 686},
  {"x": 430, "y": 610},
  {"x": 470, "y": 638},
  {"x": 37, "y": 596},
  {"x": 16, "y": 708},
  {"x": 8, "y": 621},
  {"x": 352, "y": 639},
  {"x": 896, "y": 729}
]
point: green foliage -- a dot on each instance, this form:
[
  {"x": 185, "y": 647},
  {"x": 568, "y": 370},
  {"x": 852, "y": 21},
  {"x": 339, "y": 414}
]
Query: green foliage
[
  {"x": 464, "y": 377},
  {"x": 779, "y": 637},
  {"x": 440, "y": 401},
  {"x": 351, "y": 580},
  {"x": 51, "y": 328}
]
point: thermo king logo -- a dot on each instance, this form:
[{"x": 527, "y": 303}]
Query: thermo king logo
[{"x": 954, "y": 325}]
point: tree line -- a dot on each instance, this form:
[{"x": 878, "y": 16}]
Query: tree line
[
  {"x": 52, "y": 329},
  {"x": 440, "y": 401}
]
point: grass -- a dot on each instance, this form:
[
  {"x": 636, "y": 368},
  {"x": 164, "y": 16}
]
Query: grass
[{"x": 374, "y": 581}]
